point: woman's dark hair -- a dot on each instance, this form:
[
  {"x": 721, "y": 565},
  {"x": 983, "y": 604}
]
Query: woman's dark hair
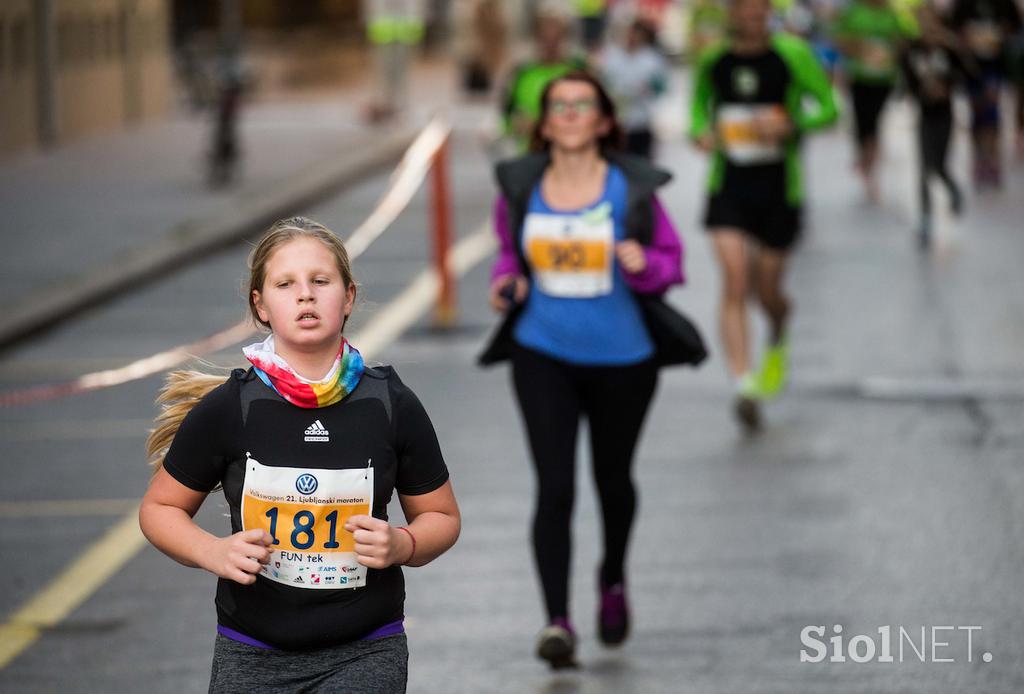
[{"x": 612, "y": 140}]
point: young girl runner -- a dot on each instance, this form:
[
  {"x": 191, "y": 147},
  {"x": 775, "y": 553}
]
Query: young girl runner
[
  {"x": 308, "y": 445},
  {"x": 586, "y": 254}
]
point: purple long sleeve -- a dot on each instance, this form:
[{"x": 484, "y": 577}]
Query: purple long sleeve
[
  {"x": 664, "y": 258},
  {"x": 507, "y": 262}
]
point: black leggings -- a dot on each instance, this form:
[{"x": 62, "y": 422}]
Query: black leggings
[
  {"x": 935, "y": 129},
  {"x": 552, "y": 396}
]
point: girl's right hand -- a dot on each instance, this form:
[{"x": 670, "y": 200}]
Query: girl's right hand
[
  {"x": 508, "y": 290},
  {"x": 240, "y": 557}
]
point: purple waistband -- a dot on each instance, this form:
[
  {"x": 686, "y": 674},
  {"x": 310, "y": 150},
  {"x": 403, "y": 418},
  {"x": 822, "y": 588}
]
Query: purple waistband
[
  {"x": 392, "y": 629},
  {"x": 242, "y": 638}
]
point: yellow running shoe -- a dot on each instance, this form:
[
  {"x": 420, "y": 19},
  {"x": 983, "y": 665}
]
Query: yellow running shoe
[{"x": 771, "y": 378}]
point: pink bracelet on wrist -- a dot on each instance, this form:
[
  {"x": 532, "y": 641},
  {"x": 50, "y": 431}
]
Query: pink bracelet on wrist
[{"x": 413, "y": 539}]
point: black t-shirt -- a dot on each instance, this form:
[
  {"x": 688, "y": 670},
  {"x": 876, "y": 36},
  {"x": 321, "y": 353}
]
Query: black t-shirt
[
  {"x": 757, "y": 79},
  {"x": 932, "y": 71},
  {"x": 380, "y": 421}
]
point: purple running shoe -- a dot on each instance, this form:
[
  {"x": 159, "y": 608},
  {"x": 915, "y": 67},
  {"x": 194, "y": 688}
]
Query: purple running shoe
[{"x": 614, "y": 615}]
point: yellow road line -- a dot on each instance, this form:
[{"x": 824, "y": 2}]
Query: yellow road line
[
  {"x": 105, "y": 557},
  {"x": 72, "y": 587}
]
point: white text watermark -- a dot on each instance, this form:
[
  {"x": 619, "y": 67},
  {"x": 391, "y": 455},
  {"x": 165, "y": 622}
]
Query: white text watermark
[{"x": 890, "y": 644}]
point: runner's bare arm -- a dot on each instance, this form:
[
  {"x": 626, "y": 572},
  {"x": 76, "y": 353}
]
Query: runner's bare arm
[
  {"x": 433, "y": 519},
  {"x": 165, "y": 517}
]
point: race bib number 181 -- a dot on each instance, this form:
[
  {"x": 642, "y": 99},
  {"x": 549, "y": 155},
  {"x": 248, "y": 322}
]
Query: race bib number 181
[{"x": 305, "y": 511}]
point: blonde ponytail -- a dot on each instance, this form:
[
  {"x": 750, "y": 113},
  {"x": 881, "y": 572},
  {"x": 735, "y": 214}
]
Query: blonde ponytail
[{"x": 181, "y": 391}]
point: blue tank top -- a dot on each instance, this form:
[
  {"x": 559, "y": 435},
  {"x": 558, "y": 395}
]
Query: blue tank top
[{"x": 579, "y": 308}]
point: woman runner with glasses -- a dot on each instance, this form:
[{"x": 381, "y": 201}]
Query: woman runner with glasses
[{"x": 586, "y": 254}]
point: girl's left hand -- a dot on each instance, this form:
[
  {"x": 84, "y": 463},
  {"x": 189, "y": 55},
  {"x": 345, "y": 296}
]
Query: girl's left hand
[
  {"x": 631, "y": 256},
  {"x": 378, "y": 545}
]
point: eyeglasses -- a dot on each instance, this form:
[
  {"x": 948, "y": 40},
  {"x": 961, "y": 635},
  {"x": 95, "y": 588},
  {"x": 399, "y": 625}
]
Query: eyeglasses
[{"x": 580, "y": 106}]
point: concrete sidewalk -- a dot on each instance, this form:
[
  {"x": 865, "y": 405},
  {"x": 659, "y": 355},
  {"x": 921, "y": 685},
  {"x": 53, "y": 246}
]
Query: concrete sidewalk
[{"x": 83, "y": 220}]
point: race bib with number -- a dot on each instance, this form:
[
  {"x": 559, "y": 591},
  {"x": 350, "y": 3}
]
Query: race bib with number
[
  {"x": 739, "y": 137},
  {"x": 305, "y": 511},
  {"x": 571, "y": 255}
]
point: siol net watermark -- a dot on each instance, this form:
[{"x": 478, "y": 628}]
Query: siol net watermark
[{"x": 935, "y": 644}]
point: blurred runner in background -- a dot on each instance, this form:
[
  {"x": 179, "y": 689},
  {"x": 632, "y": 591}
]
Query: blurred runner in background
[
  {"x": 520, "y": 103},
  {"x": 869, "y": 33},
  {"x": 986, "y": 27},
  {"x": 636, "y": 74},
  {"x": 486, "y": 39},
  {"x": 749, "y": 111},
  {"x": 933, "y": 65},
  {"x": 593, "y": 16},
  {"x": 394, "y": 28}
]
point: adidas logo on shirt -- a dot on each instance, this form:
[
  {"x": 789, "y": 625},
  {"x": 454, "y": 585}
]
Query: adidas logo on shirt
[{"x": 316, "y": 432}]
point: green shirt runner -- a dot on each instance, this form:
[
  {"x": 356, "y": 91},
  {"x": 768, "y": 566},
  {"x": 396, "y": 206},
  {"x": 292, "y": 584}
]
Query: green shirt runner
[
  {"x": 875, "y": 32},
  {"x": 730, "y": 85}
]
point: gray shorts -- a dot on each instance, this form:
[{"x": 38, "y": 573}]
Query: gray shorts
[{"x": 380, "y": 666}]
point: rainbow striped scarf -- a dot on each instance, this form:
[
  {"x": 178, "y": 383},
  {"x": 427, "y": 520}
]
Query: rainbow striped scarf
[{"x": 341, "y": 380}]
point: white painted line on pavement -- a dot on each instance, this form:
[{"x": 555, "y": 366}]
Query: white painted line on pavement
[{"x": 104, "y": 558}]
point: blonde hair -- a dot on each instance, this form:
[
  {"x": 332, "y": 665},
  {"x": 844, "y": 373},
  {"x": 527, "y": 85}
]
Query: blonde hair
[
  {"x": 280, "y": 233},
  {"x": 183, "y": 389},
  {"x": 181, "y": 392}
]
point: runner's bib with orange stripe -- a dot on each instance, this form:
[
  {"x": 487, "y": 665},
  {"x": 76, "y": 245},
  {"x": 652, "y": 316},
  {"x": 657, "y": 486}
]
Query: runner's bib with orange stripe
[
  {"x": 739, "y": 136},
  {"x": 305, "y": 510},
  {"x": 571, "y": 254}
]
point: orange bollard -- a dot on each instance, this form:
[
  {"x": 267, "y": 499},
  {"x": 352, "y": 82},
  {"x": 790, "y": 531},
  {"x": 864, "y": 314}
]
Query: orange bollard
[{"x": 446, "y": 312}]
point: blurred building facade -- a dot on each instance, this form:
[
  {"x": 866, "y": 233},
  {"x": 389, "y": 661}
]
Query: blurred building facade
[{"x": 73, "y": 68}]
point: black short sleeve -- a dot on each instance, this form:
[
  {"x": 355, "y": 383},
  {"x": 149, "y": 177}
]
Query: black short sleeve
[
  {"x": 206, "y": 438},
  {"x": 421, "y": 467}
]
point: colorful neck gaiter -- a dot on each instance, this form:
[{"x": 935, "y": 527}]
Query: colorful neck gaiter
[{"x": 341, "y": 380}]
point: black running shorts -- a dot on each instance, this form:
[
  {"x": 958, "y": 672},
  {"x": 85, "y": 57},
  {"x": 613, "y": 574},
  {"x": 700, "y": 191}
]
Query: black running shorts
[{"x": 772, "y": 223}]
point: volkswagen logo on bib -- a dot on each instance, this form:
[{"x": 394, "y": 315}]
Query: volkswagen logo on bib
[{"x": 306, "y": 483}]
